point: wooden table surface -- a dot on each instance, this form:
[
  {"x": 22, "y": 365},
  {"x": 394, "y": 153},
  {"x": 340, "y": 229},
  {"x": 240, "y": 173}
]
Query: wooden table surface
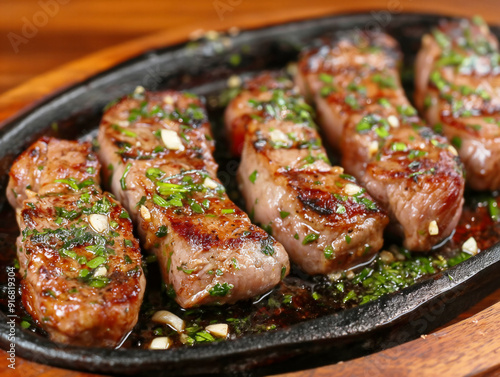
[{"x": 42, "y": 35}]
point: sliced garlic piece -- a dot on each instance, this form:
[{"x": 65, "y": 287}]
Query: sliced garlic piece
[
  {"x": 145, "y": 214},
  {"x": 373, "y": 148},
  {"x": 234, "y": 81},
  {"x": 212, "y": 35},
  {"x": 100, "y": 271},
  {"x": 334, "y": 276},
  {"x": 386, "y": 256},
  {"x": 184, "y": 338},
  {"x": 171, "y": 140},
  {"x": 433, "y": 228},
  {"x": 470, "y": 246},
  {"x": 168, "y": 318},
  {"x": 393, "y": 121},
  {"x": 98, "y": 222},
  {"x": 168, "y": 100},
  {"x": 278, "y": 136},
  {"x": 139, "y": 89},
  {"x": 220, "y": 330},
  {"x": 351, "y": 189},
  {"x": 160, "y": 343},
  {"x": 452, "y": 150},
  {"x": 338, "y": 170},
  {"x": 210, "y": 183},
  {"x": 123, "y": 123}
]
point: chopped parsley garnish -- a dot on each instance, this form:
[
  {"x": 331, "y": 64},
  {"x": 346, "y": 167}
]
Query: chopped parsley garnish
[
  {"x": 328, "y": 252},
  {"x": 252, "y": 177},
  {"x": 311, "y": 237},
  {"x": 284, "y": 214},
  {"x": 221, "y": 290}
]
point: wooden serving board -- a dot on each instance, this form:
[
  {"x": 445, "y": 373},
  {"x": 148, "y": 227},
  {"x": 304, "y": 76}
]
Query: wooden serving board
[{"x": 469, "y": 347}]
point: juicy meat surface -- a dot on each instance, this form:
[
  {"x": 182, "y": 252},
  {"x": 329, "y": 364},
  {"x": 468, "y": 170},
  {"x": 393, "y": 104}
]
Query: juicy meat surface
[
  {"x": 81, "y": 265},
  {"x": 457, "y": 81},
  {"x": 413, "y": 172},
  {"x": 158, "y": 149},
  {"x": 326, "y": 222}
]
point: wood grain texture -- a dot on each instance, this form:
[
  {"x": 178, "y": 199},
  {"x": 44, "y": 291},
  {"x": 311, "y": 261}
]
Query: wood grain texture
[{"x": 107, "y": 32}]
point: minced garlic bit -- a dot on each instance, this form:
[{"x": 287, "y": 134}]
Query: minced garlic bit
[
  {"x": 160, "y": 343},
  {"x": 168, "y": 318},
  {"x": 386, "y": 256},
  {"x": 433, "y": 228},
  {"x": 210, "y": 183},
  {"x": 351, "y": 189},
  {"x": 123, "y": 123},
  {"x": 171, "y": 140},
  {"x": 393, "y": 121},
  {"x": 452, "y": 150},
  {"x": 470, "y": 246},
  {"x": 212, "y": 35},
  {"x": 98, "y": 222},
  {"x": 139, "y": 90},
  {"x": 145, "y": 214},
  {"x": 234, "y": 81},
  {"x": 338, "y": 169},
  {"x": 278, "y": 136},
  {"x": 168, "y": 100},
  {"x": 334, "y": 276},
  {"x": 373, "y": 148},
  {"x": 350, "y": 274},
  {"x": 220, "y": 330},
  {"x": 100, "y": 271}
]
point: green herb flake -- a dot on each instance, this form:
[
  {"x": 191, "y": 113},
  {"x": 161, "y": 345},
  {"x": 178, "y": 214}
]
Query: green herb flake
[
  {"x": 123, "y": 183},
  {"x": 493, "y": 209},
  {"x": 162, "y": 231},
  {"x": 220, "y": 290},
  {"x": 328, "y": 252},
  {"x": 311, "y": 237},
  {"x": 252, "y": 177},
  {"x": 456, "y": 141},
  {"x": 284, "y": 214},
  {"x": 96, "y": 262}
]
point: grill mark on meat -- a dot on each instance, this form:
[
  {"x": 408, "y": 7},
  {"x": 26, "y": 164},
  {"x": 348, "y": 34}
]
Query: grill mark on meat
[
  {"x": 353, "y": 80},
  {"x": 290, "y": 186},
  {"x": 191, "y": 225},
  {"x": 456, "y": 81},
  {"x": 56, "y": 242}
]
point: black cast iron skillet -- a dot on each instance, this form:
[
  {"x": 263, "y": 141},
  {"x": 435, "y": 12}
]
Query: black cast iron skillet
[{"x": 204, "y": 68}]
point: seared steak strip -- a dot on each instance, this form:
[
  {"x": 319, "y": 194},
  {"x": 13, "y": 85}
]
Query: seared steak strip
[
  {"x": 158, "y": 148},
  {"x": 457, "y": 89},
  {"x": 81, "y": 265},
  {"x": 325, "y": 220},
  {"x": 414, "y": 173}
]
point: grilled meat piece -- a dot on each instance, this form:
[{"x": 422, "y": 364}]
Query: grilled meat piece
[
  {"x": 457, "y": 79},
  {"x": 81, "y": 265},
  {"x": 158, "y": 148},
  {"x": 413, "y": 172},
  {"x": 326, "y": 222}
]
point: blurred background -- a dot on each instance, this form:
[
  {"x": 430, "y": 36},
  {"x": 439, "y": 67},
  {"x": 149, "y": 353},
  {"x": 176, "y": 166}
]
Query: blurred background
[{"x": 41, "y": 35}]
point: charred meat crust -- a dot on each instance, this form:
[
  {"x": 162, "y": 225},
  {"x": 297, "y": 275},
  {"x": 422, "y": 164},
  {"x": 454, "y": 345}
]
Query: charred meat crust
[
  {"x": 354, "y": 82},
  {"x": 81, "y": 266},
  {"x": 457, "y": 75},
  {"x": 326, "y": 222},
  {"x": 158, "y": 149}
]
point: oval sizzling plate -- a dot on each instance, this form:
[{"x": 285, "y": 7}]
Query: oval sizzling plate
[{"x": 204, "y": 68}]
